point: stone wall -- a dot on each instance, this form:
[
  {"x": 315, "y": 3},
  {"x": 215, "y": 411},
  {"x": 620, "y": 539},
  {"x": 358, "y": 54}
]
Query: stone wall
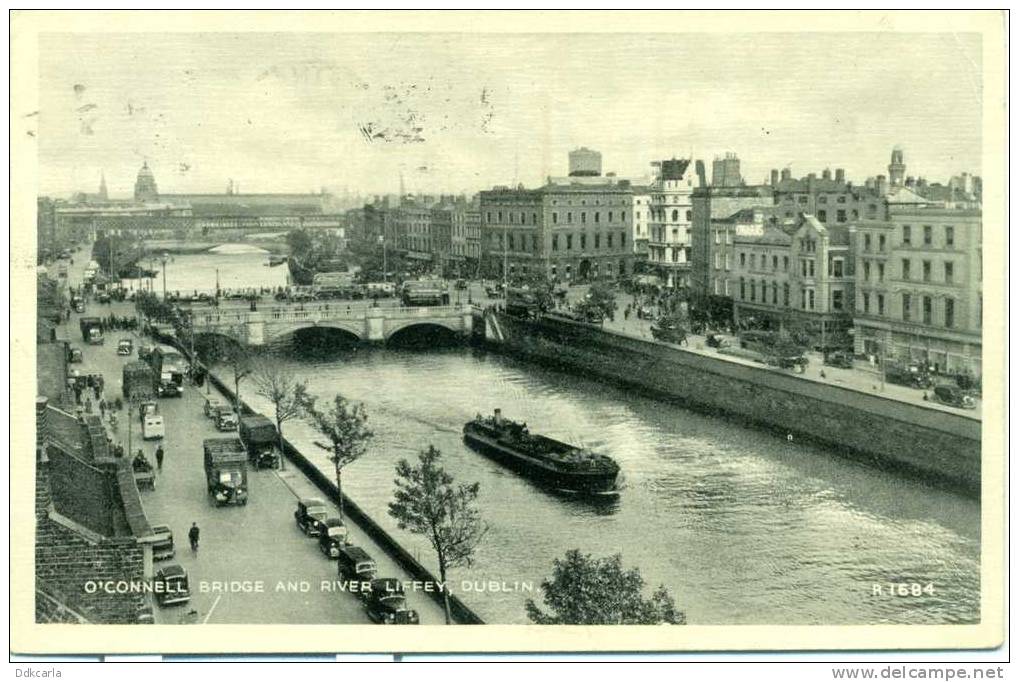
[{"x": 888, "y": 432}]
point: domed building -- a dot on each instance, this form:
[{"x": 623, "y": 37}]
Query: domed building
[{"x": 145, "y": 186}]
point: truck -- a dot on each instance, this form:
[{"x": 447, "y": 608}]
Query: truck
[
  {"x": 138, "y": 381},
  {"x": 91, "y": 330},
  {"x": 260, "y": 438},
  {"x": 169, "y": 366},
  {"x": 527, "y": 301},
  {"x": 328, "y": 285},
  {"x": 226, "y": 470},
  {"x": 424, "y": 292}
]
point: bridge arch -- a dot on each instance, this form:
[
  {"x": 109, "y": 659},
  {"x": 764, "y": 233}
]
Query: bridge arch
[
  {"x": 452, "y": 326},
  {"x": 276, "y": 332}
]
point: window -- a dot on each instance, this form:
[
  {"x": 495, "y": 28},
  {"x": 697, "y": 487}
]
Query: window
[
  {"x": 785, "y": 294},
  {"x": 569, "y": 242},
  {"x": 785, "y": 263},
  {"x": 597, "y": 241},
  {"x": 718, "y": 261},
  {"x": 926, "y": 271},
  {"x": 811, "y": 261},
  {"x": 742, "y": 289},
  {"x": 512, "y": 242},
  {"x": 949, "y": 236},
  {"x": 610, "y": 216},
  {"x": 802, "y": 200},
  {"x": 866, "y": 303},
  {"x": 774, "y": 262},
  {"x": 622, "y": 216},
  {"x": 905, "y": 307},
  {"x": 866, "y": 271},
  {"x": 810, "y": 298},
  {"x": 927, "y": 305},
  {"x": 583, "y": 241},
  {"x": 597, "y": 216},
  {"x": 728, "y": 261},
  {"x": 950, "y": 312},
  {"x": 488, "y": 217},
  {"x": 583, "y": 217},
  {"x": 725, "y": 287},
  {"x": 753, "y": 261},
  {"x": 841, "y": 215},
  {"x": 742, "y": 260},
  {"x": 803, "y": 299},
  {"x": 718, "y": 236},
  {"x": 622, "y": 240},
  {"x": 907, "y": 235},
  {"x": 880, "y": 304},
  {"x": 949, "y": 272},
  {"x": 928, "y": 232},
  {"x": 500, "y": 216},
  {"x": 774, "y": 293},
  {"x": 555, "y": 242},
  {"x": 880, "y": 272},
  {"x": 555, "y": 218},
  {"x": 837, "y": 267},
  {"x": 836, "y": 300},
  {"x": 610, "y": 240},
  {"x": 822, "y": 215},
  {"x": 803, "y": 267},
  {"x": 753, "y": 290},
  {"x": 880, "y": 242},
  {"x": 534, "y": 243},
  {"x": 905, "y": 269},
  {"x": 718, "y": 286},
  {"x": 689, "y": 216},
  {"x": 841, "y": 200},
  {"x": 569, "y": 217},
  {"x": 728, "y": 237},
  {"x": 823, "y": 199}
]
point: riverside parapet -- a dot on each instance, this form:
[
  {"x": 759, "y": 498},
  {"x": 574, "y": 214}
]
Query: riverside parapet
[{"x": 888, "y": 432}]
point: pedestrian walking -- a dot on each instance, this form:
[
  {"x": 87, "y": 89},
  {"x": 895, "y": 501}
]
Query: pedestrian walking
[
  {"x": 159, "y": 458},
  {"x": 193, "y": 535}
]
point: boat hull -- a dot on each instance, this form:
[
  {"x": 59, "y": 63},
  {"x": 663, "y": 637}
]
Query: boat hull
[{"x": 542, "y": 473}]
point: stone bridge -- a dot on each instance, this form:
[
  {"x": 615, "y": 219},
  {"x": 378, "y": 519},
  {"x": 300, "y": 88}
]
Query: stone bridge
[{"x": 275, "y": 321}]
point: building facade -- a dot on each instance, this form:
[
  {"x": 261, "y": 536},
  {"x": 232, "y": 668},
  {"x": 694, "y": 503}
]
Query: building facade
[
  {"x": 919, "y": 286},
  {"x": 832, "y": 200},
  {"x": 671, "y": 222},
  {"x": 800, "y": 276},
  {"x": 641, "y": 221}
]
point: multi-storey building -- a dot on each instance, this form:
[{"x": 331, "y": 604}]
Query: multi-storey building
[
  {"x": 833, "y": 201},
  {"x": 919, "y": 293},
  {"x": 578, "y": 229},
  {"x": 472, "y": 235},
  {"x": 712, "y": 204},
  {"x": 801, "y": 275},
  {"x": 641, "y": 221},
  {"x": 671, "y": 220}
]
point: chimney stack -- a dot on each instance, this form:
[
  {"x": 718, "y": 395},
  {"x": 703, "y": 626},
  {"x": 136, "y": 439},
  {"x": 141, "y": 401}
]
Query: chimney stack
[
  {"x": 787, "y": 174},
  {"x": 826, "y": 174},
  {"x": 774, "y": 177},
  {"x": 840, "y": 175}
]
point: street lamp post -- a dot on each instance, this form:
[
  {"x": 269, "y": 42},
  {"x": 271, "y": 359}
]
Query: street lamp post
[{"x": 162, "y": 260}]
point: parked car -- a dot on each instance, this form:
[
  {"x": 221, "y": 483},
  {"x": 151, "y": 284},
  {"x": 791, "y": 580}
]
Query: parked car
[
  {"x": 310, "y": 512},
  {"x": 75, "y": 355},
  {"x": 356, "y": 564},
  {"x": 125, "y": 347},
  {"x": 386, "y": 603},
  {"x": 839, "y": 358},
  {"x": 332, "y": 535},
  {"x": 719, "y": 341},
  {"x": 461, "y": 284},
  {"x": 162, "y": 548},
  {"x": 947, "y": 394},
  {"x": 153, "y": 427},
  {"x": 171, "y": 585},
  {"x": 226, "y": 419},
  {"x": 146, "y": 408},
  {"x": 212, "y": 405}
]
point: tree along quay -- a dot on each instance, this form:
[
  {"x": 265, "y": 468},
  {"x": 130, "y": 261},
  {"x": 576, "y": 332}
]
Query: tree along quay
[
  {"x": 938, "y": 445},
  {"x": 461, "y": 613}
]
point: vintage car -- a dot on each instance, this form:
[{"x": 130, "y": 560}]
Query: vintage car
[
  {"x": 162, "y": 548},
  {"x": 332, "y": 535},
  {"x": 719, "y": 340},
  {"x": 171, "y": 585},
  {"x": 461, "y": 284},
  {"x": 310, "y": 512},
  {"x": 125, "y": 347},
  {"x": 212, "y": 405},
  {"x": 144, "y": 475},
  {"x": 75, "y": 355},
  {"x": 953, "y": 396},
  {"x": 386, "y": 603},
  {"x": 153, "y": 427},
  {"x": 146, "y": 408},
  {"x": 225, "y": 418},
  {"x": 356, "y": 564},
  {"x": 494, "y": 290},
  {"x": 839, "y": 358},
  {"x": 144, "y": 350}
]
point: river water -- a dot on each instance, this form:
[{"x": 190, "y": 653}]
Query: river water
[{"x": 740, "y": 525}]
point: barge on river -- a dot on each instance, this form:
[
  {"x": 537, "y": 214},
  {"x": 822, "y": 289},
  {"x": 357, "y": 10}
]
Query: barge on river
[{"x": 548, "y": 461}]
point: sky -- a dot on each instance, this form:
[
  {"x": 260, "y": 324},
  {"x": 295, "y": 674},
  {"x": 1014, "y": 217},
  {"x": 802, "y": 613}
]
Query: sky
[{"x": 293, "y": 112}]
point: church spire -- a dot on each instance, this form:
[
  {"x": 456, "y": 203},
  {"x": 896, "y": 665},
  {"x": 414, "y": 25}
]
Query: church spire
[{"x": 102, "y": 186}]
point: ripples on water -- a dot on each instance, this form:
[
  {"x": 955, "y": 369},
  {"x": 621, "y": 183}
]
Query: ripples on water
[{"x": 740, "y": 525}]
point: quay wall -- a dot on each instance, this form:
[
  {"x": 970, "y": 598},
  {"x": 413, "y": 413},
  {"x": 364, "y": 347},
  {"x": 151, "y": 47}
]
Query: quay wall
[
  {"x": 461, "y": 613},
  {"x": 936, "y": 444}
]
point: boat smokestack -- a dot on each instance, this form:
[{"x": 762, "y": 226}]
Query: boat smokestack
[{"x": 498, "y": 416}]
